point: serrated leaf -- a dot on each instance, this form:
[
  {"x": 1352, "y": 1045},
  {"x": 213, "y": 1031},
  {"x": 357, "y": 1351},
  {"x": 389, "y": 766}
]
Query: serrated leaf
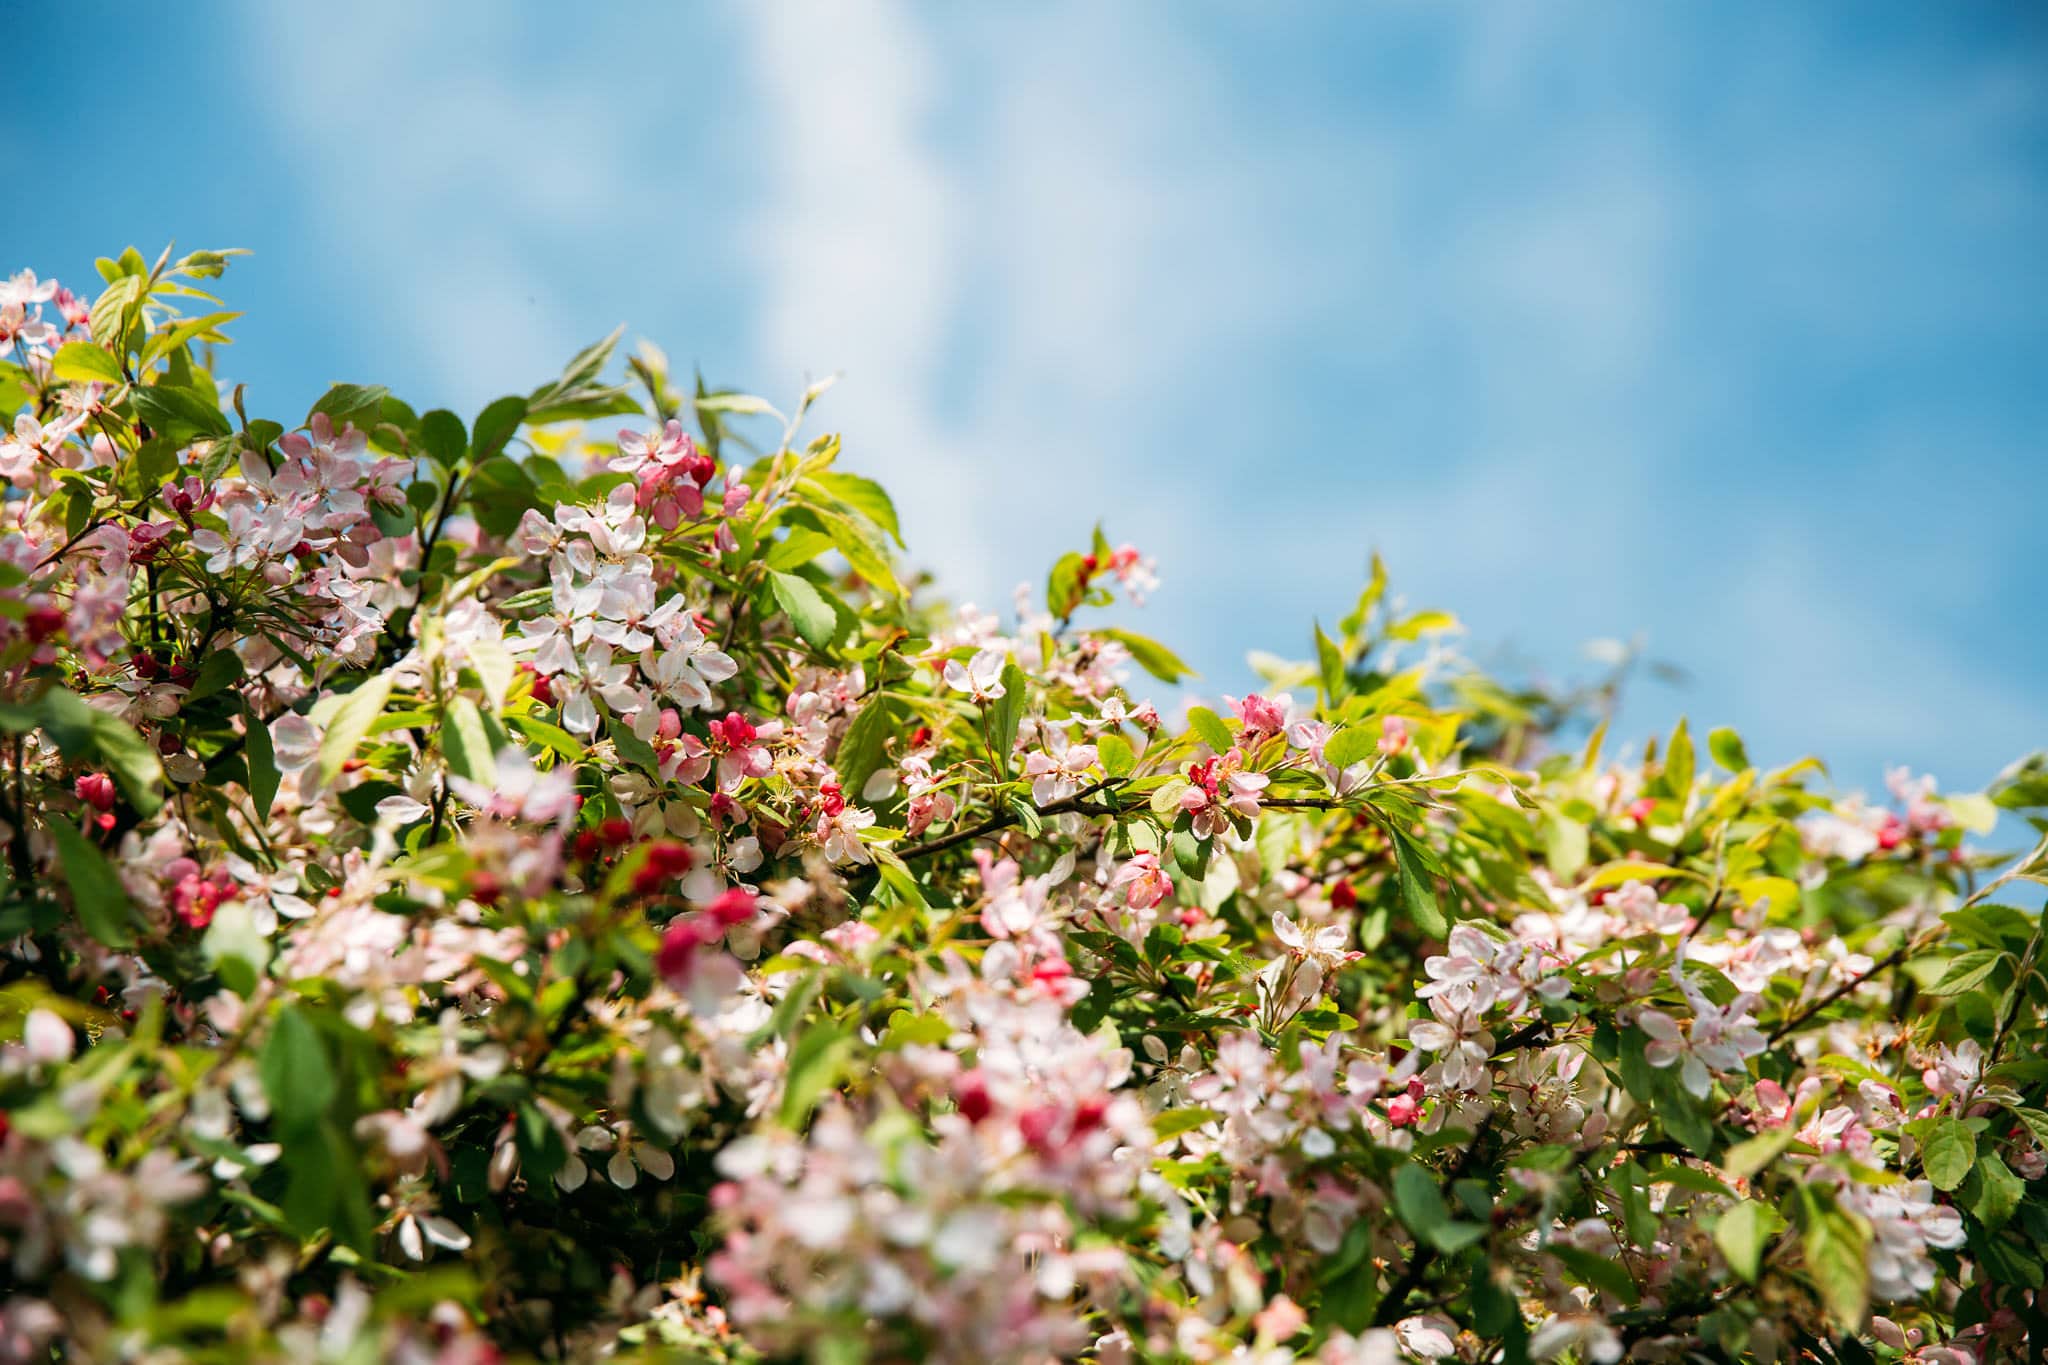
[
  {"x": 1417, "y": 1199},
  {"x": 178, "y": 414},
  {"x": 1948, "y": 1152},
  {"x": 806, "y": 608},
  {"x": 1417, "y": 893},
  {"x": 82, "y": 362},
  {"x": 442, "y": 436},
  {"x": 1967, "y": 972},
  {"x": 1993, "y": 1192},
  {"x": 1209, "y": 727},
  {"x": 495, "y": 426},
  {"x": 356, "y": 405},
  {"x": 1351, "y": 745}
]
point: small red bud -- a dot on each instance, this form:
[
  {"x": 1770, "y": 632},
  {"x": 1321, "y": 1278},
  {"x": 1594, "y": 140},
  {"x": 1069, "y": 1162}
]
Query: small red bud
[
  {"x": 96, "y": 790},
  {"x": 970, "y": 1095},
  {"x": 735, "y": 906}
]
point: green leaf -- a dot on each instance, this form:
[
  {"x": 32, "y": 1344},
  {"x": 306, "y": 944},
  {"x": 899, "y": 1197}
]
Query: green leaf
[
  {"x": 216, "y": 671},
  {"x": 1751, "y": 1155},
  {"x": 295, "y": 1070},
  {"x": 358, "y": 712},
  {"x": 67, "y": 720},
  {"x": 1416, "y": 892},
  {"x": 806, "y": 608},
  {"x": 82, "y": 362},
  {"x": 1008, "y": 712},
  {"x": 1118, "y": 759},
  {"x": 1678, "y": 762},
  {"x": 1174, "y": 1122},
  {"x": 1565, "y": 846},
  {"x": 1155, "y": 658},
  {"x": 238, "y": 954},
  {"x": 498, "y": 494},
  {"x": 442, "y": 436},
  {"x": 495, "y": 426},
  {"x": 1967, "y": 972},
  {"x": 179, "y": 414},
  {"x": 1209, "y": 727},
  {"x": 1329, "y": 666},
  {"x": 865, "y": 553},
  {"x": 861, "y": 747},
  {"x": 130, "y": 761},
  {"x": 466, "y": 744},
  {"x": 579, "y": 393},
  {"x": 548, "y": 736},
  {"x": 356, "y": 405},
  {"x": 1993, "y": 1191},
  {"x": 814, "y": 1066},
  {"x": 1351, "y": 745},
  {"x": 866, "y": 497},
  {"x": 262, "y": 761},
  {"x": 1417, "y": 1199},
  {"x": 95, "y": 888},
  {"x": 1728, "y": 751},
  {"x": 1609, "y": 1277},
  {"x": 1835, "y": 1244},
  {"x": 1948, "y": 1152},
  {"x": 1743, "y": 1233},
  {"x": 1064, "y": 587}
]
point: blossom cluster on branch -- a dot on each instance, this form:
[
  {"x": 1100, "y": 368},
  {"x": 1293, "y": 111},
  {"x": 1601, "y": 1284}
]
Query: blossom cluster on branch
[{"x": 550, "y": 886}]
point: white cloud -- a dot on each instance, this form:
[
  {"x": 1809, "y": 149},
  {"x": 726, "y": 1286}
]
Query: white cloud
[{"x": 1046, "y": 246}]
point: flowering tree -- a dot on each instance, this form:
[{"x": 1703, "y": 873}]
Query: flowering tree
[{"x": 475, "y": 889}]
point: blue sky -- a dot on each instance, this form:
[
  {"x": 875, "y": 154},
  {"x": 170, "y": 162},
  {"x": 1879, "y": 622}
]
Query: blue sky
[{"x": 1722, "y": 324}]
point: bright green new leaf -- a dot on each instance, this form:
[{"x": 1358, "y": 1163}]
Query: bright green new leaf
[{"x": 1209, "y": 727}]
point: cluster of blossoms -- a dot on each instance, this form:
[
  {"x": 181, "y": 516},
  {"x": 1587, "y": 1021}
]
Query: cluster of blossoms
[{"x": 484, "y": 890}]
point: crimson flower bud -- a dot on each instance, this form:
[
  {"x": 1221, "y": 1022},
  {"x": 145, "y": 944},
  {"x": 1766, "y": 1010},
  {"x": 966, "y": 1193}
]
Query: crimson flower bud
[
  {"x": 736, "y": 906},
  {"x": 970, "y": 1095},
  {"x": 96, "y": 790}
]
